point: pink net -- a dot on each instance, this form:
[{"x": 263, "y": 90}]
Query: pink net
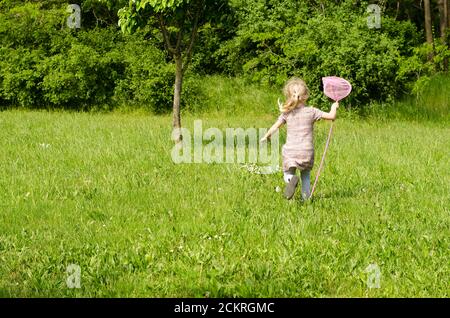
[{"x": 336, "y": 88}]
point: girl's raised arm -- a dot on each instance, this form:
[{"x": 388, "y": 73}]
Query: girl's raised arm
[{"x": 332, "y": 114}]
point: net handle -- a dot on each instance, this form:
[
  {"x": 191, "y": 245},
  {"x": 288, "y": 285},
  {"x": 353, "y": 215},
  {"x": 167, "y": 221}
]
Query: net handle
[{"x": 323, "y": 159}]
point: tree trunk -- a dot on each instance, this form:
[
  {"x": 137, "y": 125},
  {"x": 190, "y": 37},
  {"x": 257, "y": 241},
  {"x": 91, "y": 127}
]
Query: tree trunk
[
  {"x": 177, "y": 98},
  {"x": 443, "y": 19},
  {"x": 428, "y": 25},
  {"x": 177, "y": 53}
]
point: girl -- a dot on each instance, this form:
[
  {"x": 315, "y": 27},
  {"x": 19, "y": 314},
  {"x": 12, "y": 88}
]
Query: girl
[{"x": 298, "y": 152}]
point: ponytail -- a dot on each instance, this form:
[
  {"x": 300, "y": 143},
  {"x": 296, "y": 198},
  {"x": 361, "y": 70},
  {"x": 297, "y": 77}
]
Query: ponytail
[{"x": 296, "y": 93}]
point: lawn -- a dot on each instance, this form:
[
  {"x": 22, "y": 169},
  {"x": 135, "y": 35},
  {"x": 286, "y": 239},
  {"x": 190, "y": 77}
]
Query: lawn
[{"x": 100, "y": 191}]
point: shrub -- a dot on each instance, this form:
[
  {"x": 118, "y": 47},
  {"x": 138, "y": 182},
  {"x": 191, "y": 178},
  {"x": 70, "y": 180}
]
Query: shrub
[
  {"x": 79, "y": 78},
  {"x": 19, "y": 76},
  {"x": 284, "y": 38},
  {"x": 26, "y": 34},
  {"x": 417, "y": 70},
  {"x": 147, "y": 79},
  {"x": 52, "y": 66}
]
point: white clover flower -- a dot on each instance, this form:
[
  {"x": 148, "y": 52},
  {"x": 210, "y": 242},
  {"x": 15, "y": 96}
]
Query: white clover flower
[
  {"x": 44, "y": 145},
  {"x": 256, "y": 169}
]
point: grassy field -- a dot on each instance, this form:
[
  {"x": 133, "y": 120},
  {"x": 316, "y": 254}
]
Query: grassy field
[{"x": 100, "y": 191}]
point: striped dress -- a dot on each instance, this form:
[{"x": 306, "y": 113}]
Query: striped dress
[{"x": 298, "y": 151}]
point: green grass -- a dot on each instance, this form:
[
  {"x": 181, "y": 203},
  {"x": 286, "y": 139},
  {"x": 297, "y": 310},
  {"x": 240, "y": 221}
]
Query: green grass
[
  {"x": 430, "y": 103},
  {"x": 231, "y": 96},
  {"x": 221, "y": 96},
  {"x": 101, "y": 191}
]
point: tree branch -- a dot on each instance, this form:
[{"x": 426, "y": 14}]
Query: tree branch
[
  {"x": 193, "y": 36},
  {"x": 166, "y": 35},
  {"x": 180, "y": 33}
]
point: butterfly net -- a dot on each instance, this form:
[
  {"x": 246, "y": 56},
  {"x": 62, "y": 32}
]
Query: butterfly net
[{"x": 336, "y": 88}]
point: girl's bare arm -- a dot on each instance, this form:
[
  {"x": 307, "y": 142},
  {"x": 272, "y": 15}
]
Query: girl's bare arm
[
  {"x": 272, "y": 129},
  {"x": 332, "y": 114}
]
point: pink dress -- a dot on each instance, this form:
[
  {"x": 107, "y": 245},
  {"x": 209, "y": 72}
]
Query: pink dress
[{"x": 298, "y": 151}]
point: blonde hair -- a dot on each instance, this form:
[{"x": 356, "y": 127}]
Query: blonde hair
[{"x": 296, "y": 93}]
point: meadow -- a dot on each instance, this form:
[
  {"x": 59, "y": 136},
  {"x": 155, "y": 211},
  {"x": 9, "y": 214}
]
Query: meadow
[{"x": 100, "y": 191}]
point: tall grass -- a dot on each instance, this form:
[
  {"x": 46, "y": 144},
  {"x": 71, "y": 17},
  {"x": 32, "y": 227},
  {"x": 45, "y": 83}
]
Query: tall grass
[
  {"x": 433, "y": 101},
  {"x": 221, "y": 96},
  {"x": 226, "y": 96},
  {"x": 232, "y": 96}
]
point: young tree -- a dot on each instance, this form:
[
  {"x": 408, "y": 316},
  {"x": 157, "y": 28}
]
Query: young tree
[
  {"x": 428, "y": 24},
  {"x": 444, "y": 21},
  {"x": 178, "y": 22}
]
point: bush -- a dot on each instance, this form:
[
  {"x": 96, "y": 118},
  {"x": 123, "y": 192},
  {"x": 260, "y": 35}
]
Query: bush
[
  {"x": 79, "y": 78},
  {"x": 26, "y": 34},
  {"x": 45, "y": 64},
  {"x": 147, "y": 79},
  {"x": 285, "y": 38},
  {"x": 417, "y": 69},
  {"x": 19, "y": 77},
  {"x": 52, "y": 66}
]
